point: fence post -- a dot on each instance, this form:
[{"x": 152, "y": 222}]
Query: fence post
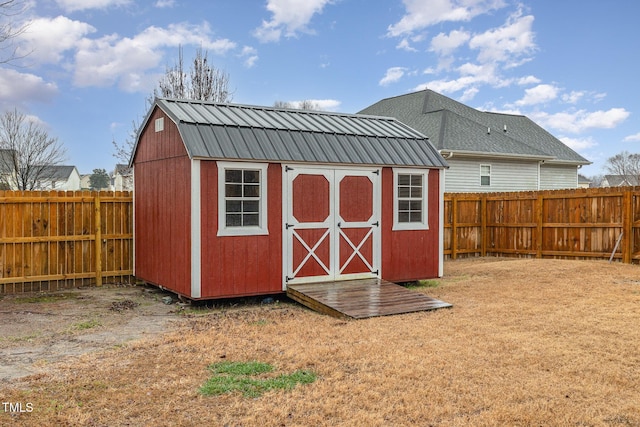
[
  {"x": 627, "y": 226},
  {"x": 483, "y": 225},
  {"x": 98, "y": 237},
  {"x": 454, "y": 231},
  {"x": 539, "y": 228}
]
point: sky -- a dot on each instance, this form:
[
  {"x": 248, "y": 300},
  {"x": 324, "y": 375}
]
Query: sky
[{"x": 85, "y": 68}]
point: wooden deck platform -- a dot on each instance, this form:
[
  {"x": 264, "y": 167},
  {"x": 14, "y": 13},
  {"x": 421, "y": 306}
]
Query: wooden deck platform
[{"x": 360, "y": 299}]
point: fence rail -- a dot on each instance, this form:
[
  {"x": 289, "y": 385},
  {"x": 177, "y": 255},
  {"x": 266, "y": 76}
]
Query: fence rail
[
  {"x": 51, "y": 240},
  {"x": 595, "y": 223}
]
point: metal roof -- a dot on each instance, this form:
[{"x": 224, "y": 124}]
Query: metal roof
[{"x": 243, "y": 132}]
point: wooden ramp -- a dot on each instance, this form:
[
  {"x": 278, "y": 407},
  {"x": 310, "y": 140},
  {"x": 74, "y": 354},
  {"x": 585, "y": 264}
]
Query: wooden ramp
[{"x": 360, "y": 299}]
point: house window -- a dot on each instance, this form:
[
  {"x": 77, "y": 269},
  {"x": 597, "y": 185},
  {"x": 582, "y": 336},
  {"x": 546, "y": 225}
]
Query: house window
[
  {"x": 410, "y": 199},
  {"x": 242, "y": 199},
  {"x": 485, "y": 175}
]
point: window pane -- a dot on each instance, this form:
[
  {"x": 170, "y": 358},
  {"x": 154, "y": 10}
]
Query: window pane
[
  {"x": 404, "y": 179},
  {"x": 404, "y": 191},
  {"x": 233, "y": 190},
  {"x": 416, "y": 180},
  {"x": 485, "y": 169},
  {"x": 251, "y": 190},
  {"x": 251, "y": 206},
  {"x": 251, "y": 220},
  {"x": 485, "y": 180},
  {"x": 415, "y": 205},
  {"x": 415, "y": 217},
  {"x": 251, "y": 176},
  {"x": 416, "y": 192},
  {"x": 233, "y": 175},
  {"x": 403, "y": 205},
  {"x": 403, "y": 216},
  {"x": 234, "y": 220},
  {"x": 234, "y": 206}
]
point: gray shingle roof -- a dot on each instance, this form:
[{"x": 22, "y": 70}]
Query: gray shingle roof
[
  {"x": 55, "y": 172},
  {"x": 453, "y": 126},
  {"x": 229, "y": 131}
]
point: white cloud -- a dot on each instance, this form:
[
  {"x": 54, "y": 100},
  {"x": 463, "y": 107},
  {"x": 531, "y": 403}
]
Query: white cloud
[
  {"x": 573, "y": 97},
  {"x": 18, "y": 88},
  {"x": 289, "y": 18},
  {"x": 578, "y": 144},
  {"x": 250, "y": 55},
  {"x": 509, "y": 44},
  {"x": 581, "y": 120},
  {"x": 421, "y": 14},
  {"x": 111, "y": 59},
  {"x": 75, "y": 5},
  {"x": 469, "y": 94},
  {"x": 445, "y": 44},
  {"x": 392, "y": 75},
  {"x": 165, "y": 3},
  {"x": 404, "y": 45},
  {"x": 46, "y": 40},
  {"x": 632, "y": 138},
  {"x": 538, "y": 95},
  {"x": 528, "y": 80}
]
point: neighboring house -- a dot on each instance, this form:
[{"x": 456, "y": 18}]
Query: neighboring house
[
  {"x": 122, "y": 178},
  {"x": 54, "y": 177},
  {"x": 235, "y": 200},
  {"x": 85, "y": 181},
  {"x": 620, "y": 180},
  {"x": 583, "y": 181},
  {"x": 6, "y": 170},
  {"x": 486, "y": 152}
]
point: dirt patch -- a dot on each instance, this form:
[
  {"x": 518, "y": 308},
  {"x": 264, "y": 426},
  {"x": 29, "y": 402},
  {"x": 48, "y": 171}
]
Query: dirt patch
[{"x": 37, "y": 330}]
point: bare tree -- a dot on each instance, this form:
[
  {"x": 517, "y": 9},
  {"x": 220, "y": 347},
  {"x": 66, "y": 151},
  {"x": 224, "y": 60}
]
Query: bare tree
[
  {"x": 26, "y": 151},
  {"x": 9, "y": 9},
  {"x": 204, "y": 82},
  {"x": 625, "y": 164},
  {"x": 306, "y": 104}
]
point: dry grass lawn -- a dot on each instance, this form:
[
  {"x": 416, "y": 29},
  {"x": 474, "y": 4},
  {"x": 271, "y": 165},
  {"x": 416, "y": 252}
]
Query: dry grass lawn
[{"x": 527, "y": 342}]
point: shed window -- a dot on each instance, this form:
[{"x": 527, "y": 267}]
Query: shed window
[
  {"x": 485, "y": 175},
  {"x": 242, "y": 199},
  {"x": 410, "y": 199}
]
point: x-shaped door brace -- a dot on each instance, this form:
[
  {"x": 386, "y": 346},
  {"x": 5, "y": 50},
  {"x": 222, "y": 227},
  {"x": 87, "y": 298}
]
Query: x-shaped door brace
[
  {"x": 311, "y": 252},
  {"x": 356, "y": 250}
]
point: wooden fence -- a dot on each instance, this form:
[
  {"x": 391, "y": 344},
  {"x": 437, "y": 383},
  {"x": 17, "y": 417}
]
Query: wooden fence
[
  {"x": 54, "y": 240},
  {"x": 595, "y": 223}
]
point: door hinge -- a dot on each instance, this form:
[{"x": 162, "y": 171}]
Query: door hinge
[
  {"x": 288, "y": 168},
  {"x": 376, "y": 272},
  {"x": 287, "y": 225},
  {"x": 287, "y": 278},
  {"x": 377, "y": 223},
  {"x": 377, "y": 172}
]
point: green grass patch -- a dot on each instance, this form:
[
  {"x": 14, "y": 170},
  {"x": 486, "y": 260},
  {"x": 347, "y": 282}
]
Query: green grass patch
[
  {"x": 86, "y": 325},
  {"x": 44, "y": 298},
  {"x": 249, "y": 379},
  {"x": 421, "y": 284}
]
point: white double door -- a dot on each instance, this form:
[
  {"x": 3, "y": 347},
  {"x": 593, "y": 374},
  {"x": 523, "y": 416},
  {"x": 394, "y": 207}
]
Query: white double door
[{"x": 332, "y": 223}]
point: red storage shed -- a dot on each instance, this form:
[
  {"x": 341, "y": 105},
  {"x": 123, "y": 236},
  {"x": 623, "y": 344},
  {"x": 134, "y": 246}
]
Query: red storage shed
[{"x": 234, "y": 200}]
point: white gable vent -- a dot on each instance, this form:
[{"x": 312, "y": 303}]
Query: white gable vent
[{"x": 160, "y": 124}]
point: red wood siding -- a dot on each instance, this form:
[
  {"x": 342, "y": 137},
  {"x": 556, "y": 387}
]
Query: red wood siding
[
  {"x": 410, "y": 254},
  {"x": 162, "y": 208},
  {"x": 240, "y": 265}
]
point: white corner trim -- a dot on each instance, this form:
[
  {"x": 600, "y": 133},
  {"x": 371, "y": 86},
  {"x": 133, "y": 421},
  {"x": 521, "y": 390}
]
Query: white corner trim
[
  {"x": 441, "y": 178},
  {"x": 196, "y": 227}
]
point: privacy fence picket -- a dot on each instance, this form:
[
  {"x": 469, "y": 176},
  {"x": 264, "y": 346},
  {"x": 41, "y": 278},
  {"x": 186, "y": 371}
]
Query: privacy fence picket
[
  {"x": 55, "y": 240},
  {"x": 595, "y": 223}
]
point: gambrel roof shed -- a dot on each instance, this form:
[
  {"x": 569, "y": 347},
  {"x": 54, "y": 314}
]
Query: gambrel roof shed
[
  {"x": 237, "y": 200},
  {"x": 253, "y": 133}
]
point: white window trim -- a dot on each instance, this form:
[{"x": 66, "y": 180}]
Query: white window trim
[
  {"x": 481, "y": 175},
  {"x": 223, "y": 230},
  {"x": 424, "y": 225}
]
